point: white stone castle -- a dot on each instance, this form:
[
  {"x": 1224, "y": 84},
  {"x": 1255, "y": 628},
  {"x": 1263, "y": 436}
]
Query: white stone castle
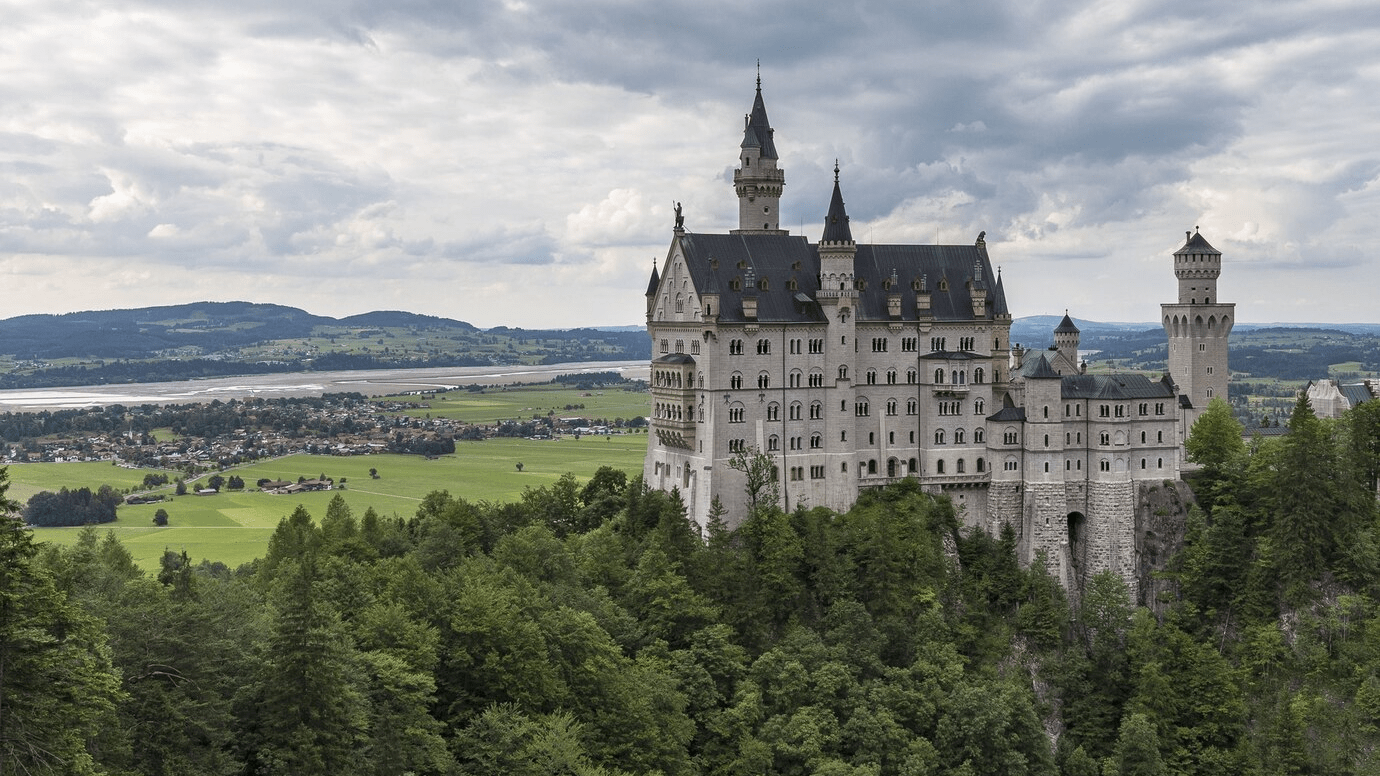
[{"x": 855, "y": 366}]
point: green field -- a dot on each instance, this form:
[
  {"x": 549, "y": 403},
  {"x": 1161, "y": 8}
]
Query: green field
[
  {"x": 523, "y": 402},
  {"x": 234, "y": 528}
]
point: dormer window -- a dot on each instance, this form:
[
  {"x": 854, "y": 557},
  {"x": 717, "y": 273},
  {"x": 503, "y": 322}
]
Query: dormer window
[
  {"x": 943, "y": 284},
  {"x": 762, "y": 284}
]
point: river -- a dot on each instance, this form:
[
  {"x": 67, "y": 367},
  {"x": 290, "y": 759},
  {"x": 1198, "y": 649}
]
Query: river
[{"x": 370, "y": 382}]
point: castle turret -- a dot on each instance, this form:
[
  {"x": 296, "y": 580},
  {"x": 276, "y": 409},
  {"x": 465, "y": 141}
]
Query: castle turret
[
  {"x": 757, "y": 180},
  {"x": 838, "y": 300},
  {"x": 1066, "y": 343},
  {"x": 1198, "y": 328}
]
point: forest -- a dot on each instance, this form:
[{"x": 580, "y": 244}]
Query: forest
[{"x": 590, "y": 629}]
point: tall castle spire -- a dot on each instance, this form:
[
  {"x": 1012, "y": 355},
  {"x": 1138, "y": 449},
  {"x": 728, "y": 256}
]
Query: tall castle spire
[{"x": 757, "y": 180}]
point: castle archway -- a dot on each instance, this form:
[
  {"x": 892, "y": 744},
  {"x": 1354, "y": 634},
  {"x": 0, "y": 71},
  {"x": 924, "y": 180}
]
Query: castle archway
[{"x": 1078, "y": 544}]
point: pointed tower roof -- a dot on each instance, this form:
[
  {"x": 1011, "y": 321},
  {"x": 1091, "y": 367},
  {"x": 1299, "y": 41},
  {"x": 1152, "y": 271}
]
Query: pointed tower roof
[
  {"x": 1041, "y": 370},
  {"x": 836, "y": 223},
  {"x": 758, "y": 132},
  {"x": 1066, "y": 326},
  {"x": 999, "y": 297},
  {"x": 654, "y": 283},
  {"x": 1194, "y": 243}
]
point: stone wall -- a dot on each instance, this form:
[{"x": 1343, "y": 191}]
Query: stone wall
[{"x": 1160, "y": 517}]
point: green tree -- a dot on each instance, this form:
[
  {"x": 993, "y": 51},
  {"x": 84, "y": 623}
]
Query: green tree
[
  {"x": 1215, "y": 443},
  {"x": 763, "y": 486},
  {"x": 160, "y": 517},
  {"x": 312, "y": 710},
  {"x": 1138, "y": 748},
  {"x": 57, "y": 684}
]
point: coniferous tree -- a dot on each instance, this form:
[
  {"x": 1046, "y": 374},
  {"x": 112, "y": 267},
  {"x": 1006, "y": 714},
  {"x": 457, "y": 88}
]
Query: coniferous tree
[{"x": 57, "y": 685}]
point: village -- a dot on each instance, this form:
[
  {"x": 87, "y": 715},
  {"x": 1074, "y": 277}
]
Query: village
[{"x": 196, "y": 439}]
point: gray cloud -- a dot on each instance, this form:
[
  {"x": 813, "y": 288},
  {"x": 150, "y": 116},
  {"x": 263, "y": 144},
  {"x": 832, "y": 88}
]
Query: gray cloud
[{"x": 502, "y": 150}]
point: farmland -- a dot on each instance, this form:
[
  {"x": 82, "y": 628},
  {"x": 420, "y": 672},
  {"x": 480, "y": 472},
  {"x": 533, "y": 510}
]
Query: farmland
[{"x": 234, "y": 528}]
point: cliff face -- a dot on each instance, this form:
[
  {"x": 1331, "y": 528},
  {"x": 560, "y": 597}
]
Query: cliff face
[{"x": 1161, "y": 514}]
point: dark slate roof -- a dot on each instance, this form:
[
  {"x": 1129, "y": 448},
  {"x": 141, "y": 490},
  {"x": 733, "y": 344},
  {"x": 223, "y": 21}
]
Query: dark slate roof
[
  {"x": 775, "y": 258},
  {"x": 1355, "y": 393},
  {"x": 998, "y": 296},
  {"x": 1009, "y": 415},
  {"x": 654, "y": 283},
  {"x": 1066, "y": 326},
  {"x": 933, "y": 263},
  {"x": 1196, "y": 244},
  {"x": 1039, "y": 369},
  {"x": 1114, "y": 387},
  {"x": 836, "y": 223},
  {"x": 674, "y": 358},
  {"x": 758, "y": 133}
]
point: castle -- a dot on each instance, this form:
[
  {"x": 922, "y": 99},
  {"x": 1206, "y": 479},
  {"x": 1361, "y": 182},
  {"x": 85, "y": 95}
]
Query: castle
[{"x": 854, "y": 366}]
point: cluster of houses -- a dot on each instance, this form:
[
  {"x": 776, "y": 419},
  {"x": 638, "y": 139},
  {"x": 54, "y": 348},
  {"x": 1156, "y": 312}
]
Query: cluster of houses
[{"x": 343, "y": 429}]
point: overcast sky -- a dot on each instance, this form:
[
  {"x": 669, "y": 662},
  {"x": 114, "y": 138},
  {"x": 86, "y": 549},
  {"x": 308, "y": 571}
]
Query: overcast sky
[{"x": 515, "y": 163}]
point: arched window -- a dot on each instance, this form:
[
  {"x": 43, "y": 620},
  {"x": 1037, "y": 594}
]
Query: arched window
[
  {"x": 981, "y": 465},
  {"x": 979, "y": 436},
  {"x": 843, "y": 373},
  {"x": 958, "y": 469},
  {"x": 939, "y": 376},
  {"x": 773, "y": 411},
  {"x": 979, "y": 407},
  {"x": 735, "y": 381},
  {"x": 978, "y": 374},
  {"x": 939, "y": 466},
  {"x": 958, "y": 436},
  {"x": 939, "y": 437},
  {"x": 773, "y": 443},
  {"x": 872, "y": 466}
]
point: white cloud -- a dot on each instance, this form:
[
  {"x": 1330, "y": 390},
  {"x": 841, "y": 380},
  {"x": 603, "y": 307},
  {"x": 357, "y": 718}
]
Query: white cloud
[{"x": 521, "y": 158}]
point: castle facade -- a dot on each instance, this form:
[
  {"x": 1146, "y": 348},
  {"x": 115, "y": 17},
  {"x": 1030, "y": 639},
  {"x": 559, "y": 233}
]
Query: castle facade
[{"x": 855, "y": 366}]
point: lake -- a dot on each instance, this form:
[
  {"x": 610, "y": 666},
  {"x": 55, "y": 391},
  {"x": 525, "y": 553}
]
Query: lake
[{"x": 370, "y": 382}]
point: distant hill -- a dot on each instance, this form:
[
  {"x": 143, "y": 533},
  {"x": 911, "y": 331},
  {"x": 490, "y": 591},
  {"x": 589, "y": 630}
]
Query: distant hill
[
  {"x": 385, "y": 318},
  {"x": 209, "y": 339},
  {"x": 203, "y": 326}
]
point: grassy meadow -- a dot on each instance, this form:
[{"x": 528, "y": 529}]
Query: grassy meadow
[
  {"x": 234, "y": 528},
  {"x": 521, "y": 402}
]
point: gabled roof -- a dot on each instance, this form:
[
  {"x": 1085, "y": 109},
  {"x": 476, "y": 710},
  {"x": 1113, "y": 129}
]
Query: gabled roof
[
  {"x": 1355, "y": 393},
  {"x": 1039, "y": 369},
  {"x": 1114, "y": 387},
  {"x": 758, "y": 132},
  {"x": 718, "y": 263},
  {"x": 1009, "y": 415}
]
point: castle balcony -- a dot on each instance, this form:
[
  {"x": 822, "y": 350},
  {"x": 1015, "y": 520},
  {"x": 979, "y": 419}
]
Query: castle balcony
[
  {"x": 972, "y": 479},
  {"x": 956, "y": 391}
]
